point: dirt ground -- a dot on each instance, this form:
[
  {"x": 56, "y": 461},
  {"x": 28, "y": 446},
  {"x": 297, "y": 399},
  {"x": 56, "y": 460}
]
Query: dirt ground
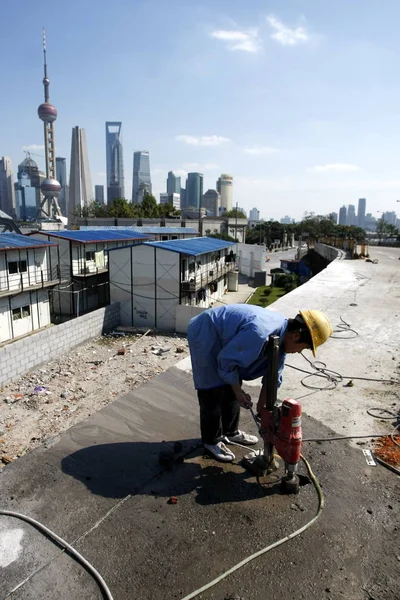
[{"x": 50, "y": 399}]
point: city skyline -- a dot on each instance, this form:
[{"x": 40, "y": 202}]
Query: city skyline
[{"x": 300, "y": 153}]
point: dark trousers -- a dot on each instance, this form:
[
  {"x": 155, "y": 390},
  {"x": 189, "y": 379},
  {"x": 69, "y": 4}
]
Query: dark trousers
[{"x": 219, "y": 413}]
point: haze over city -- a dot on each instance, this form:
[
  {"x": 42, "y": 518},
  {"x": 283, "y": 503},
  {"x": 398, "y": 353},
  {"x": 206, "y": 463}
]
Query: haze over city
[{"x": 296, "y": 100}]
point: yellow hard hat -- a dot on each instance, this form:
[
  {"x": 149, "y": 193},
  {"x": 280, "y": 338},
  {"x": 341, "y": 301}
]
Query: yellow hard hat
[{"x": 319, "y": 327}]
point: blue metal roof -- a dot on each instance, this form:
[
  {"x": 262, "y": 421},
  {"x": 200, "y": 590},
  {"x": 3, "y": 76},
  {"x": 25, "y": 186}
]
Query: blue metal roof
[
  {"x": 89, "y": 237},
  {"x": 193, "y": 246},
  {"x": 146, "y": 229},
  {"x": 16, "y": 241}
]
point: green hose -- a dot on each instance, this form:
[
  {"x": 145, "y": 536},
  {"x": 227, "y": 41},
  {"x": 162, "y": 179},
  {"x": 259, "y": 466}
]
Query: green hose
[{"x": 245, "y": 561}]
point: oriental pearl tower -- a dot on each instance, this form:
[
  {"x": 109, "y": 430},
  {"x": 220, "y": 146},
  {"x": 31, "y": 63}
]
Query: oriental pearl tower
[{"x": 48, "y": 114}]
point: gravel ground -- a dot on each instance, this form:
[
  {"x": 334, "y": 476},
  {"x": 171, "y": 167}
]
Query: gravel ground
[{"x": 48, "y": 400}]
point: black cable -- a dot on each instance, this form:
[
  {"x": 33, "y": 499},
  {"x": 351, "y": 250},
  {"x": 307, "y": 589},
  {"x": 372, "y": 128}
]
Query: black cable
[
  {"x": 344, "y": 327},
  {"x": 333, "y": 377},
  {"x": 382, "y": 410}
]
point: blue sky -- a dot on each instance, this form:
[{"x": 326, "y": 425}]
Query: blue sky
[{"x": 298, "y": 99}]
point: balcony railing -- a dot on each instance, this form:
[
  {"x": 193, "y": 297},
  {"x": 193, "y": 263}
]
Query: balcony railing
[
  {"x": 198, "y": 281},
  {"x": 31, "y": 279}
]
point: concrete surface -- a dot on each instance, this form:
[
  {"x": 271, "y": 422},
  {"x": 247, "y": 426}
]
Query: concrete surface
[{"x": 101, "y": 487}]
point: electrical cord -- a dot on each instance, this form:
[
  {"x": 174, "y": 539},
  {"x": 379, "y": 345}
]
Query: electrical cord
[
  {"x": 333, "y": 377},
  {"x": 65, "y": 546},
  {"x": 285, "y": 539},
  {"x": 344, "y": 327}
]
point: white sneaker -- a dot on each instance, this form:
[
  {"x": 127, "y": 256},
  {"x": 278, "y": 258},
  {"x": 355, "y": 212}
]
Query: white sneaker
[
  {"x": 220, "y": 452},
  {"x": 242, "y": 438}
]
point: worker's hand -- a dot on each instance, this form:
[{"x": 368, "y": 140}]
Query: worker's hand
[{"x": 245, "y": 400}]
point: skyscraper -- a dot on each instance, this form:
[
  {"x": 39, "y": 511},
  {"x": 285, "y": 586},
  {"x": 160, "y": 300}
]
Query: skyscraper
[
  {"x": 343, "y": 215},
  {"x": 389, "y": 217},
  {"x": 62, "y": 178},
  {"x": 37, "y": 177},
  {"x": 194, "y": 190},
  {"x": 211, "y": 202},
  {"x": 99, "y": 193},
  {"x": 115, "y": 161},
  {"x": 183, "y": 197},
  {"x": 362, "y": 204},
  {"x": 225, "y": 188},
  {"x": 48, "y": 114},
  {"x": 254, "y": 214},
  {"x": 141, "y": 183},
  {"x": 26, "y": 197},
  {"x": 351, "y": 215},
  {"x": 333, "y": 217},
  {"x": 173, "y": 199},
  {"x": 173, "y": 183},
  {"x": 80, "y": 183},
  {"x": 7, "y": 196}
]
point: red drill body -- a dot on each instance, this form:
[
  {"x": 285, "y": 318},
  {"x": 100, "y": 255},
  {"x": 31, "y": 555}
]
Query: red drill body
[{"x": 281, "y": 428}]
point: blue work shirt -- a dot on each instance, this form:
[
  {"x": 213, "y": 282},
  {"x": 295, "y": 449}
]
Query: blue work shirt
[{"x": 228, "y": 344}]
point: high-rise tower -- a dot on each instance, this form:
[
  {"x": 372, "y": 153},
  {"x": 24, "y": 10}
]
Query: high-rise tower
[
  {"x": 362, "y": 205},
  {"x": 80, "y": 182},
  {"x": 61, "y": 164},
  {"x": 194, "y": 190},
  {"x": 141, "y": 183},
  {"x": 224, "y": 187},
  {"x": 173, "y": 183},
  {"x": 48, "y": 114},
  {"x": 343, "y": 215},
  {"x": 7, "y": 196},
  {"x": 115, "y": 162}
]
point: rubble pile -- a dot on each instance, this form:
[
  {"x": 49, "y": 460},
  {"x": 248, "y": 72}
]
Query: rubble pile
[{"x": 52, "y": 398}]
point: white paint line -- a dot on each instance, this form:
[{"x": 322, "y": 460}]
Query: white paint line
[
  {"x": 10, "y": 546},
  {"x": 184, "y": 365}
]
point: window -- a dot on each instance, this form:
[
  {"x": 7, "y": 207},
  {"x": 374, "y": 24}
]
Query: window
[
  {"x": 21, "y": 312},
  {"x": 17, "y": 266},
  {"x": 90, "y": 255},
  {"x": 174, "y": 237},
  {"x": 164, "y": 238}
]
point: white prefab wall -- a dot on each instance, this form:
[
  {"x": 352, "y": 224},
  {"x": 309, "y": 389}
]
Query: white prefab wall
[
  {"x": 36, "y": 269},
  {"x": 31, "y": 319},
  {"x": 144, "y": 280},
  {"x": 251, "y": 258}
]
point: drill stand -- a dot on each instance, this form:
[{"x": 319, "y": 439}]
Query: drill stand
[{"x": 280, "y": 428}]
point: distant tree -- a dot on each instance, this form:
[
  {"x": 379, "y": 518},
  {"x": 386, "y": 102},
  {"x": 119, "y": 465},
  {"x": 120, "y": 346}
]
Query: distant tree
[
  {"x": 120, "y": 209},
  {"x": 167, "y": 210},
  {"x": 222, "y": 236},
  {"x": 314, "y": 226},
  {"x": 149, "y": 207},
  {"x": 235, "y": 213}
]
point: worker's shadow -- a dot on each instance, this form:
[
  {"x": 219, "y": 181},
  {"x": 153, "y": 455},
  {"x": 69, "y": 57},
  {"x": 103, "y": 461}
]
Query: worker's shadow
[{"x": 116, "y": 470}]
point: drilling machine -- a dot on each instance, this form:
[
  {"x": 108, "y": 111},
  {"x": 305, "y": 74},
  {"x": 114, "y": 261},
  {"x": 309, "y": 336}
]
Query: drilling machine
[{"x": 280, "y": 428}]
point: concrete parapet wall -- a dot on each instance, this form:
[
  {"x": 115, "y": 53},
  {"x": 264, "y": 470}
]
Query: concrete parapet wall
[
  {"x": 328, "y": 252},
  {"x": 19, "y": 357}
]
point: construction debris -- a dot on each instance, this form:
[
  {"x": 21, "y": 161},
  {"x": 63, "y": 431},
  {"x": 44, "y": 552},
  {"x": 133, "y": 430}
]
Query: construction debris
[{"x": 50, "y": 399}]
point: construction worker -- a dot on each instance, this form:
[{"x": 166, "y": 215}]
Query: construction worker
[{"x": 227, "y": 346}]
